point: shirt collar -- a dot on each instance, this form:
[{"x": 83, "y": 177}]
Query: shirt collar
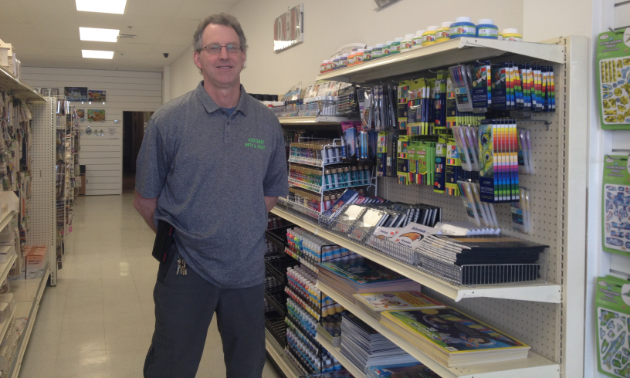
[{"x": 208, "y": 103}]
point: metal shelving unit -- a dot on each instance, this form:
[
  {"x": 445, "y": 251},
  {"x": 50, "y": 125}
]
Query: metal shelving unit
[
  {"x": 533, "y": 366},
  {"x": 536, "y": 292},
  {"x": 548, "y": 317},
  {"x": 29, "y": 294}
]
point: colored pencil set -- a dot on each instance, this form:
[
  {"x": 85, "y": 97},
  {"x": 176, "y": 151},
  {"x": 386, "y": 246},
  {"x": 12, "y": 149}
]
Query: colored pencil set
[
  {"x": 523, "y": 86},
  {"x": 498, "y": 163}
]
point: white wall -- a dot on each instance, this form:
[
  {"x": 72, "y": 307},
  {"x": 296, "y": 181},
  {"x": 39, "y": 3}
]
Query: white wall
[
  {"x": 329, "y": 24},
  {"x": 126, "y": 90}
]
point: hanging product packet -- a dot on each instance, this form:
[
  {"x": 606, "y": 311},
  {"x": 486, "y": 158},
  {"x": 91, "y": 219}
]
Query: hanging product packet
[
  {"x": 616, "y": 205},
  {"x": 612, "y": 316},
  {"x": 613, "y": 79}
]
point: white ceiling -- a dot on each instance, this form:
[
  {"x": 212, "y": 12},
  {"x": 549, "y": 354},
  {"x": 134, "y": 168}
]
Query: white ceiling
[{"x": 45, "y": 33}]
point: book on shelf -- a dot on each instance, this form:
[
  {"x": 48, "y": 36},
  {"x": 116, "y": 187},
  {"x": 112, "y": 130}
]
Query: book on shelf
[
  {"x": 364, "y": 346},
  {"x": 355, "y": 274},
  {"x": 334, "y": 340},
  {"x": 453, "y": 338},
  {"x": 408, "y": 370},
  {"x": 375, "y": 303}
]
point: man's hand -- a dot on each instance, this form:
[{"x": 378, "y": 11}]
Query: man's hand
[
  {"x": 146, "y": 207},
  {"x": 270, "y": 202}
]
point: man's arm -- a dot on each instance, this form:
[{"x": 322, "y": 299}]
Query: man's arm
[
  {"x": 146, "y": 207},
  {"x": 270, "y": 202}
]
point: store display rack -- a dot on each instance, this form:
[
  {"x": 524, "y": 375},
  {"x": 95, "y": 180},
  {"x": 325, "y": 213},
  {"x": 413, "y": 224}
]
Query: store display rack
[
  {"x": 533, "y": 366},
  {"x": 544, "y": 315},
  {"x": 537, "y": 292}
]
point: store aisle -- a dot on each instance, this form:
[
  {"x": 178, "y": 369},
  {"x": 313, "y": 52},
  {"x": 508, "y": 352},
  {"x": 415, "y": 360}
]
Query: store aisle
[{"x": 99, "y": 319}]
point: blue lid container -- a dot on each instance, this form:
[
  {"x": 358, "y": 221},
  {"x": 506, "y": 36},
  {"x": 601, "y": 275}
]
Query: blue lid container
[
  {"x": 487, "y": 29},
  {"x": 463, "y": 27}
]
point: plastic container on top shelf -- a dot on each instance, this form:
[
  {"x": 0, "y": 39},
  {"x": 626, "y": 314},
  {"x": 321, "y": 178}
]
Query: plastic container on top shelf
[
  {"x": 463, "y": 27},
  {"x": 444, "y": 32},
  {"x": 511, "y": 34},
  {"x": 428, "y": 37},
  {"x": 406, "y": 43},
  {"x": 417, "y": 39},
  {"x": 377, "y": 51},
  {"x": 487, "y": 29},
  {"x": 395, "y": 46},
  {"x": 367, "y": 54}
]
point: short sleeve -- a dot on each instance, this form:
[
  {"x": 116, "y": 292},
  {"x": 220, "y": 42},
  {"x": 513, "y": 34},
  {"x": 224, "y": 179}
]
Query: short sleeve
[
  {"x": 152, "y": 164},
  {"x": 276, "y": 183}
]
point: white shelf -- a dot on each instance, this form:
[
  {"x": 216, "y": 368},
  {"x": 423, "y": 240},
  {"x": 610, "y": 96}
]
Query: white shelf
[
  {"x": 6, "y": 267},
  {"x": 18, "y": 88},
  {"x": 6, "y": 218},
  {"x": 535, "y": 292},
  {"x": 443, "y": 55},
  {"x": 336, "y": 352},
  {"x": 533, "y": 366},
  {"x": 5, "y": 325},
  {"x": 28, "y": 294},
  {"x": 312, "y": 162},
  {"x": 321, "y": 120},
  {"x": 277, "y": 354}
]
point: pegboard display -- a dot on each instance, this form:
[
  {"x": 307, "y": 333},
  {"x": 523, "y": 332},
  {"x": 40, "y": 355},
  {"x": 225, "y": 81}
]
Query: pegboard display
[
  {"x": 41, "y": 212},
  {"x": 533, "y": 323},
  {"x": 557, "y": 202}
]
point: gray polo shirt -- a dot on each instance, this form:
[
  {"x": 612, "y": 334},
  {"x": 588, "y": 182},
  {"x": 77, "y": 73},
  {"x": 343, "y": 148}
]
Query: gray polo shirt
[{"x": 211, "y": 173}]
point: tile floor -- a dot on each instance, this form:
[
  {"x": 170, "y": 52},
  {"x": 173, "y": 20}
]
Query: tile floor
[{"x": 98, "y": 321}]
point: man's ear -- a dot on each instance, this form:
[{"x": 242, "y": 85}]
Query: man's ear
[{"x": 197, "y": 59}]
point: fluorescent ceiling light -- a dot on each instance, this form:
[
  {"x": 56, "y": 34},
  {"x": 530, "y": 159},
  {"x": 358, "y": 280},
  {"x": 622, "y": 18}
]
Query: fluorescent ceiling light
[
  {"x": 98, "y": 35},
  {"x": 102, "y": 6},
  {"x": 96, "y": 54}
]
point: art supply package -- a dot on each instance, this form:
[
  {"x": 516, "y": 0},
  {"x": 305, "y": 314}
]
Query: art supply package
[{"x": 612, "y": 312}]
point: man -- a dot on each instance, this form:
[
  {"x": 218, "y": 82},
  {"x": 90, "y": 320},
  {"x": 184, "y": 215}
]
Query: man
[{"x": 212, "y": 164}]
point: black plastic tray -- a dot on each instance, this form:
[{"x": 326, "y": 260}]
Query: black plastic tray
[
  {"x": 274, "y": 322},
  {"x": 277, "y": 264}
]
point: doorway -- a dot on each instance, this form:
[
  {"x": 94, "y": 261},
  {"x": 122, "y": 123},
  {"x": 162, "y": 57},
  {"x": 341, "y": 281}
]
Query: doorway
[{"x": 134, "y": 124}]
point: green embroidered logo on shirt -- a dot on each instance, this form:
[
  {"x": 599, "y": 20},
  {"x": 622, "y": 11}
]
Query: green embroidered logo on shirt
[{"x": 255, "y": 143}]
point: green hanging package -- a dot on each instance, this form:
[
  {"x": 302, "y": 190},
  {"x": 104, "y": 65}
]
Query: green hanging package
[
  {"x": 612, "y": 312},
  {"x": 616, "y": 205},
  {"x": 613, "y": 79}
]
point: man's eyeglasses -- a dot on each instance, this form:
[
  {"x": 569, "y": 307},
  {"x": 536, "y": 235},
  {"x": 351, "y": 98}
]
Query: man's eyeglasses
[{"x": 215, "y": 48}]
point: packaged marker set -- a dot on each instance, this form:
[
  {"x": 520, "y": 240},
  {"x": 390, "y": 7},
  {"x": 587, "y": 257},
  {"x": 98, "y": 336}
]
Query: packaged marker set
[
  {"x": 358, "y": 145},
  {"x": 416, "y": 159},
  {"x": 378, "y": 107},
  {"x": 505, "y": 86},
  {"x": 525, "y": 155},
  {"x": 498, "y": 166},
  {"x": 480, "y": 213},
  {"x": 521, "y": 220},
  {"x": 523, "y": 86}
]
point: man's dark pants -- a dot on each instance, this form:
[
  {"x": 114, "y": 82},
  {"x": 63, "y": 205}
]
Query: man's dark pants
[{"x": 184, "y": 305}]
